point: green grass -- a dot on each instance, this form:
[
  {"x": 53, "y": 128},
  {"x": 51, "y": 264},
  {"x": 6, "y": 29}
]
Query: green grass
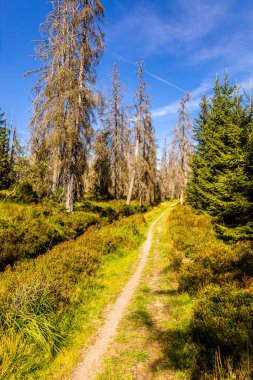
[
  {"x": 154, "y": 339},
  {"x": 29, "y": 230},
  {"x": 219, "y": 278},
  {"x": 51, "y": 305}
]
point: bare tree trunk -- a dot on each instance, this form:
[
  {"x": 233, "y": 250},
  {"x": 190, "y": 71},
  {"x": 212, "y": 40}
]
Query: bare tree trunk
[
  {"x": 182, "y": 197},
  {"x": 129, "y": 197},
  {"x": 56, "y": 176},
  {"x": 133, "y": 174},
  {"x": 70, "y": 195}
]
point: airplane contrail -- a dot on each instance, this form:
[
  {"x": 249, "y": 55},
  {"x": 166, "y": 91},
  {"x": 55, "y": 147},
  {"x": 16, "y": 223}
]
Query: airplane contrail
[
  {"x": 165, "y": 81},
  {"x": 148, "y": 72}
]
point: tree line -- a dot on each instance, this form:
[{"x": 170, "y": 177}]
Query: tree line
[
  {"x": 210, "y": 161},
  {"x": 207, "y": 164},
  {"x": 67, "y": 156},
  {"x": 10, "y": 150}
]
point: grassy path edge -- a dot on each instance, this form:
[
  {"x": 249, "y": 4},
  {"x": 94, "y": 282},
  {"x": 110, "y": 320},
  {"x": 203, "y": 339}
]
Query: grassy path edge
[
  {"x": 91, "y": 363},
  {"x": 96, "y": 301},
  {"x": 152, "y": 340}
]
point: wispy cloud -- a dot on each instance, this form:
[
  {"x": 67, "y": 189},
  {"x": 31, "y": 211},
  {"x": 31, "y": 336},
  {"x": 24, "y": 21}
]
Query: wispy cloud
[
  {"x": 197, "y": 31},
  {"x": 172, "y": 108},
  {"x": 196, "y": 95},
  {"x": 151, "y": 30},
  {"x": 232, "y": 42}
]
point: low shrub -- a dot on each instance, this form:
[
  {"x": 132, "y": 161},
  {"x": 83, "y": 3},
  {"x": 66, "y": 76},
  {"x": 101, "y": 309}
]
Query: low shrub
[
  {"x": 39, "y": 296},
  {"x": 214, "y": 264},
  {"x": 223, "y": 321},
  {"x": 244, "y": 261},
  {"x": 189, "y": 231},
  {"x": 28, "y": 231},
  {"x": 220, "y": 277},
  {"x": 112, "y": 210},
  {"x": 24, "y": 193}
]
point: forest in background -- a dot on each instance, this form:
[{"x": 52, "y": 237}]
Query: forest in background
[{"x": 91, "y": 161}]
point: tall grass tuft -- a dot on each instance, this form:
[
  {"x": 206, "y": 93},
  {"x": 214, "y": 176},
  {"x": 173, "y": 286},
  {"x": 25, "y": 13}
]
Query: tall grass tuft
[
  {"x": 38, "y": 297},
  {"x": 220, "y": 278}
]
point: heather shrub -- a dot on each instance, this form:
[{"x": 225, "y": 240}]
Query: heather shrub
[
  {"x": 176, "y": 258},
  {"x": 39, "y": 296},
  {"x": 219, "y": 276},
  {"x": 223, "y": 320},
  {"x": 244, "y": 261},
  {"x": 28, "y": 231},
  {"x": 214, "y": 264},
  {"x": 25, "y": 193},
  {"x": 189, "y": 231}
]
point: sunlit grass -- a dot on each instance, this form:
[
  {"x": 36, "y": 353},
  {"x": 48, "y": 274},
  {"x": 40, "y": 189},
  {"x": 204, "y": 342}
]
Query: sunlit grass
[
  {"x": 149, "y": 344},
  {"x": 55, "y": 303}
]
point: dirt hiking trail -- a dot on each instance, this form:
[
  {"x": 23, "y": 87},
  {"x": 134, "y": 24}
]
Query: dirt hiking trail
[{"x": 92, "y": 359}]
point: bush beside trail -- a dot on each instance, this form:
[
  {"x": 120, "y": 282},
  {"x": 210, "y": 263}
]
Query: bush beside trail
[
  {"x": 38, "y": 297},
  {"x": 219, "y": 277},
  {"x": 27, "y": 231}
]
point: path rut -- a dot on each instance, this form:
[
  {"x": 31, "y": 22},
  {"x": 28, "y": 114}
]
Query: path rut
[{"x": 91, "y": 363}]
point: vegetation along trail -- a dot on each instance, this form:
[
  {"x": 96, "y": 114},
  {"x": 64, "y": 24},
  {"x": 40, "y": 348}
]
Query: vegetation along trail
[
  {"x": 91, "y": 364},
  {"x": 152, "y": 337}
]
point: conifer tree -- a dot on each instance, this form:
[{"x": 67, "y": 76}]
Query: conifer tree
[
  {"x": 16, "y": 151},
  {"x": 115, "y": 124},
  {"x": 143, "y": 163},
  {"x": 200, "y": 165},
  {"x": 220, "y": 184},
  {"x": 65, "y": 99},
  {"x": 4, "y": 153},
  {"x": 182, "y": 146},
  {"x": 164, "y": 172},
  {"x": 101, "y": 167}
]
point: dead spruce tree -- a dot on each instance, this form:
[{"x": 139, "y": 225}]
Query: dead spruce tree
[
  {"x": 170, "y": 172},
  {"x": 65, "y": 99},
  {"x": 114, "y": 120},
  {"x": 143, "y": 163},
  {"x": 182, "y": 148},
  {"x": 101, "y": 167},
  {"x": 164, "y": 172}
]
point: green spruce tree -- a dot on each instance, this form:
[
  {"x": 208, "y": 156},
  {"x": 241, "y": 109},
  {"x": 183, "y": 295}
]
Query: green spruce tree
[
  {"x": 219, "y": 184},
  {"x": 4, "y": 153}
]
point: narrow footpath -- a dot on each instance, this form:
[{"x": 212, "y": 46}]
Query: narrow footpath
[
  {"x": 153, "y": 340},
  {"x": 91, "y": 365}
]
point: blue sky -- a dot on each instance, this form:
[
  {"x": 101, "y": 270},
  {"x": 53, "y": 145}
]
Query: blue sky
[{"x": 182, "y": 42}]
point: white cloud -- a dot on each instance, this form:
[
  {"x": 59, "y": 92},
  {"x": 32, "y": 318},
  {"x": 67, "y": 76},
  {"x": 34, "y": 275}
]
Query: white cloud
[
  {"x": 150, "y": 30},
  {"x": 171, "y": 108},
  {"x": 196, "y": 95}
]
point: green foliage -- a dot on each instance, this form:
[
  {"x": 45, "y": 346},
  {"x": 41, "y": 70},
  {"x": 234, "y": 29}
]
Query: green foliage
[
  {"x": 25, "y": 193},
  {"x": 221, "y": 181},
  {"x": 214, "y": 264},
  {"x": 38, "y": 297},
  {"x": 34, "y": 173},
  {"x": 223, "y": 318},
  {"x": 220, "y": 277},
  {"x": 4, "y": 153},
  {"x": 28, "y": 231},
  {"x": 189, "y": 231},
  {"x": 113, "y": 209}
]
